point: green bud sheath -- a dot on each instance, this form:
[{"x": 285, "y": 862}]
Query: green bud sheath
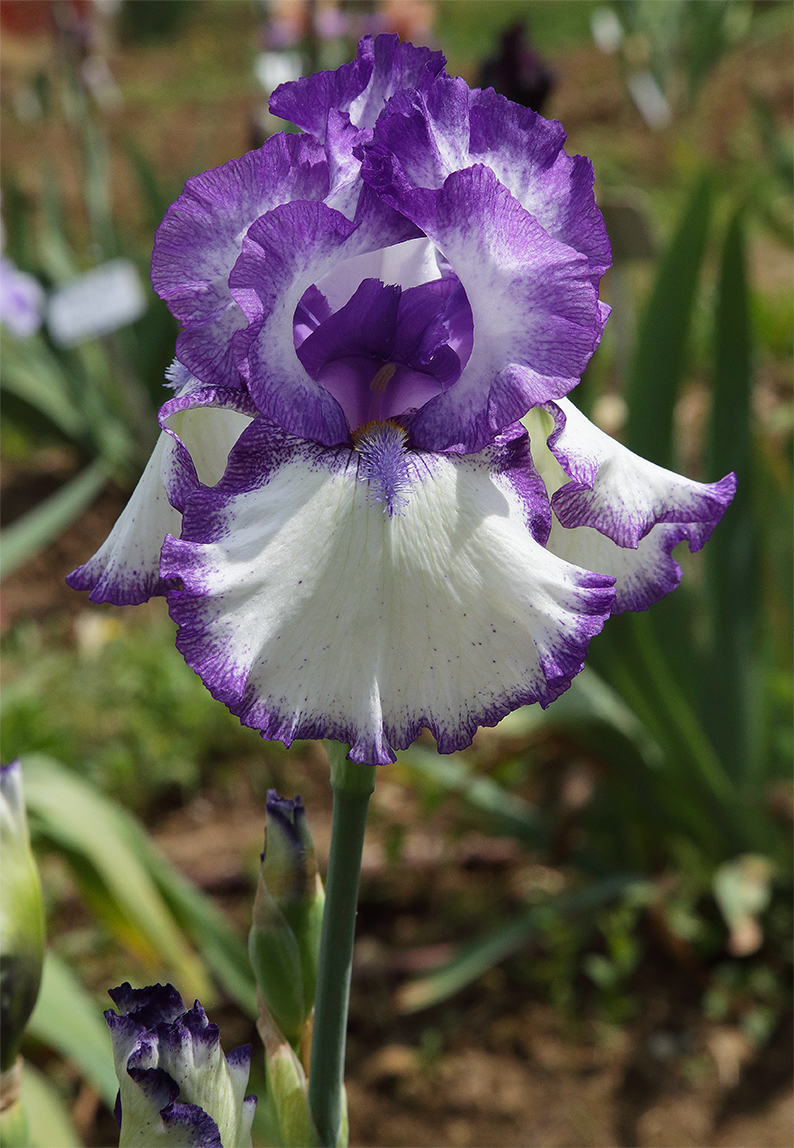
[
  {"x": 21, "y": 917},
  {"x": 287, "y": 918}
]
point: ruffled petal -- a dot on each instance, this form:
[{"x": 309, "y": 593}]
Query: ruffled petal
[
  {"x": 360, "y": 89},
  {"x": 126, "y": 568},
  {"x": 623, "y": 495},
  {"x": 200, "y": 237},
  {"x": 200, "y": 426},
  {"x": 425, "y": 135},
  {"x": 616, "y": 512},
  {"x": 311, "y": 613},
  {"x": 536, "y": 314},
  {"x": 284, "y": 253}
]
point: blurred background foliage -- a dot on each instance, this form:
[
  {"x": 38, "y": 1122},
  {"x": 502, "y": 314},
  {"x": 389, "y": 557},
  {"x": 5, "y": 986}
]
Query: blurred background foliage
[{"x": 630, "y": 843}]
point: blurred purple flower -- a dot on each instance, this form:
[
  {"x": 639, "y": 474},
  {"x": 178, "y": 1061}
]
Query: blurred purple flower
[{"x": 22, "y": 300}]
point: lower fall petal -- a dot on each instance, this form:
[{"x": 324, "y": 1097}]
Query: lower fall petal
[
  {"x": 616, "y": 512},
  {"x": 311, "y": 613},
  {"x": 126, "y": 568},
  {"x": 200, "y": 427},
  {"x": 621, "y": 494}
]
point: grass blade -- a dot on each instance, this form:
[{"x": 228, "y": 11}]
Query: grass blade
[
  {"x": 660, "y": 353},
  {"x": 31, "y": 533},
  {"x": 732, "y": 554},
  {"x": 67, "y": 1019},
  {"x": 48, "y": 1117},
  {"x": 91, "y": 831},
  {"x": 476, "y": 958}
]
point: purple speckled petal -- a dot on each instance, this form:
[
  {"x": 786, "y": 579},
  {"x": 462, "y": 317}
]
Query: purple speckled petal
[
  {"x": 463, "y": 613},
  {"x": 284, "y": 253},
  {"x": 616, "y": 512},
  {"x": 423, "y": 136},
  {"x": 200, "y": 237},
  {"x": 623, "y": 495},
  {"x": 200, "y": 426},
  {"x": 360, "y": 89},
  {"x": 536, "y": 314}
]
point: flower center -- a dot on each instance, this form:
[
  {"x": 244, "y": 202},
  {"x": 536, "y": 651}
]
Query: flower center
[{"x": 387, "y": 351}]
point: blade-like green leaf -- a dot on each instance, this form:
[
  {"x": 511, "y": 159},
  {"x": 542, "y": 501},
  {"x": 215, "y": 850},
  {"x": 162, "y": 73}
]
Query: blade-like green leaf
[
  {"x": 659, "y": 355},
  {"x": 31, "y": 533},
  {"x": 475, "y": 959},
  {"x": 92, "y": 832},
  {"x": 223, "y": 951},
  {"x": 48, "y": 1117},
  {"x": 67, "y": 1019},
  {"x": 33, "y": 373},
  {"x": 732, "y": 553}
]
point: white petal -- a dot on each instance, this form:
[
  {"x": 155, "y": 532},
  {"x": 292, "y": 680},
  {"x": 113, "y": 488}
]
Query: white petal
[
  {"x": 310, "y": 613},
  {"x": 126, "y": 568},
  {"x": 615, "y": 512},
  {"x": 192, "y": 448},
  {"x": 621, "y": 494}
]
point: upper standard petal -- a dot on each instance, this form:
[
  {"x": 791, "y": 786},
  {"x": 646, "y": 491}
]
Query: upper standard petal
[{"x": 201, "y": 236}]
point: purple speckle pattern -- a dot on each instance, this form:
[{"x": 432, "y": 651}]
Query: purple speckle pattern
[{"x": 254, "y": 618}]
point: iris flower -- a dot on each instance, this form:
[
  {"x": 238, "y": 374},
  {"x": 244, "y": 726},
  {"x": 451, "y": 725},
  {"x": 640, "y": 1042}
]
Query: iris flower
[{"x": 373, "y": 508}]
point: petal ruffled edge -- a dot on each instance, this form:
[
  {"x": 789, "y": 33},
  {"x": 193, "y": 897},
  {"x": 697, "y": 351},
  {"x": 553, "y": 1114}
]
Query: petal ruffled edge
[
  {"x": 623, "y": 495},
  {"x": 359, "y": 89},
  {"x": 125, "y": 571},
  {"x": 200, "y": 237},
  {"x": 338, "y": 638},
  {"x": 650, "y": 512},
  {"x": 537, "y": 316},
  {"x": 284, "y": 253}
]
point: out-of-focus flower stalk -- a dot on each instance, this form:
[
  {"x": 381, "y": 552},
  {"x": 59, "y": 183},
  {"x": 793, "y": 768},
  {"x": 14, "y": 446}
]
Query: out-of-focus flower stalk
[{"x": 21, "y": 947}]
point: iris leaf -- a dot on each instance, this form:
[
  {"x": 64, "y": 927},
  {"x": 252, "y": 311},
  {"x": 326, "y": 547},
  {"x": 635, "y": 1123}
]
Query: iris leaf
[
  {"x": 137, "y": 890},
  {"x": 732, "y": 554},
  {"x": 67, "y": 1019},
  {"x": 29, "y": 534},
  {"x": 91, "y": 831},
  {"x": 476, "y": 958},
  {"x": 660, "y": 353},
  {"x": 47, "y": 1114}
]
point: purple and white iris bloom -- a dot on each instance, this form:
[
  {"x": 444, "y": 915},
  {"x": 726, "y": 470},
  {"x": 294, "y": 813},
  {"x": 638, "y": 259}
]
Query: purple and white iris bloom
[
  {"x": 357, "y": 536},
  {"x": 176, "y": 1087}
]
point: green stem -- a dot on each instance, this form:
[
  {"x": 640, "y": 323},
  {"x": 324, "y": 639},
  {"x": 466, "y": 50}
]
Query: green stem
[{"x": 352, "y": 785}]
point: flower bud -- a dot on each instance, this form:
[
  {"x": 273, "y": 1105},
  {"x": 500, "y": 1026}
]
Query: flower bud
[
  {"x": 285, "y": 933},
  {"x": 21, "y": 916},
  {"x": 176, "y": 1087}
]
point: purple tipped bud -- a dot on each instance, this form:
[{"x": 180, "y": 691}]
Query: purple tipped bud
[
  {"x": 176, "y": 1087},
  {"x": 285, "y": 933}
]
